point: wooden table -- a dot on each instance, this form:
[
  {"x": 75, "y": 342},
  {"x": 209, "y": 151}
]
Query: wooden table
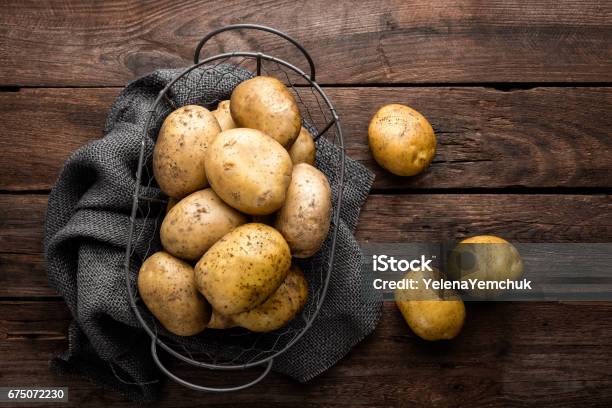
[{"x": 519, "y": 96}]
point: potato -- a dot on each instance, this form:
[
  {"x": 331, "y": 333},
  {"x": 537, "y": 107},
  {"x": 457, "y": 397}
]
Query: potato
[
  {"x": 486, "y": 258},
  {"x": 264, "y": 103},
  {"x": 305, "y": 217},
  {"x": 171, "y": 203},
  {"x": 167, "y": 286},
  {"x": 280, "y": 308},
  {"x": 223, "y": 115},
  {"x": 196, "y": 222},
  {"x": 430, "y": 314},
  {"x": 218, "y": 321},
  {"x": 303, "y": 149},
  {"x": 249, "y": 170},
  {"x": 401, "y": 140},
  {"x": 243, "y": 268},
  {"x": 178, "y": 157}
]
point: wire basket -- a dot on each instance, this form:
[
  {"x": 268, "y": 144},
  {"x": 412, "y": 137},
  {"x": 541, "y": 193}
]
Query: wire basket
[{"x": 236, "y": 349}]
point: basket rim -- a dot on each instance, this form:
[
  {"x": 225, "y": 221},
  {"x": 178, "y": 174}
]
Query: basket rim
[{"x": 335, "y": 121}]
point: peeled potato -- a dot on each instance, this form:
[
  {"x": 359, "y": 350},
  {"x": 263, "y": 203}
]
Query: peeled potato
[
  {"x": 401, "y": 140},
  {"x": 167, "y": 286},
  {"x": 305, "y": 217},
  {"x": 243, "y": 268},
  {"x": 223, "y": 115},
  {"x": 196, "y": 222},
  {"x": 178, "y": 157},
  {"x": 485, "y": 258},
  {"x": 430, "y": 314},
  {"x": 264, "y": 103},
  {"x": 280, "y": 308},
  {"x": 303, "y": 149},
  {"x": 249, "y": 170}
]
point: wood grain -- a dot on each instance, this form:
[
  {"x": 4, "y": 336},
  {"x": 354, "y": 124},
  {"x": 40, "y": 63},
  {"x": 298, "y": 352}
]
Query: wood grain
[
  {"x": 385, "y": 218},
  {"x": 509, "y": 354},
  {"x": 78, "y": 43},
  {"x": 544, "y": 137}
]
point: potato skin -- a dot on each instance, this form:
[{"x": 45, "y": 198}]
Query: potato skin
[
  {"x": 264, "y": 103},
  {"x": 167, "y": 286},
  {"x": 196, "y": 222},
  {"x": 431, "y": 315},
  {"x": 223, "y": 116},
  {"x": 280, "y": 308},
  {"x": 401, "y": 140},
  {"x": 303, "y": 149},
  {"x": 249, "y": 170},
  {"x": 243, "y": 268},
  {"x": 178, "y": 157},
  {"x": 218, "y": 321},
  {"x": 486, "y": 258},
  {"x": 305, "y": 217}
]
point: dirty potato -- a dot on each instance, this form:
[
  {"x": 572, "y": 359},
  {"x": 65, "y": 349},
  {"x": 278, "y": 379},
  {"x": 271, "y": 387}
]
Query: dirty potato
[
  {"x": 305, "y": 217},
  {"x": 280, "y": 308},
  {"x": 196, "y": 222},
  {"x": 265, "y": 103},
  {"x": 243, "y": 268},
  {"x": 303, "y": 149},
  {"x": 249, "y": 170},
  {"x": 401, "y": 140},
  {"x": 178, "y": 157},
  {"x": 223, "y": 116},
  {"x": 167, "y": 286}
]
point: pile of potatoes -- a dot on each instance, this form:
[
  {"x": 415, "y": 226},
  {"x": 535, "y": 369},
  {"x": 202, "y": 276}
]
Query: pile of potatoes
[{"x": 244, "y": 200}]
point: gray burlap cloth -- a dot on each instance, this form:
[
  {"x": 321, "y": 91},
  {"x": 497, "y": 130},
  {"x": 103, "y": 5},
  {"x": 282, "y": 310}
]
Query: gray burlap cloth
[{"x": 86, "y": 237}]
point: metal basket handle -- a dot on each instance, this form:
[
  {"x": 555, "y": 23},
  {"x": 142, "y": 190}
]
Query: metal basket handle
[
  {"x": 196, "y": 57},
  {"x": 197, "y": 387}
]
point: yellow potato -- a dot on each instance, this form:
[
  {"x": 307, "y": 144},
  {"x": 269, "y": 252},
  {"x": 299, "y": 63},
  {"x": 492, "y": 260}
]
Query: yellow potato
[
  {"x": 430, "y": 314},
  {"x": 401, "y": 140},
  {"x": 280, "y": 308},
  {"x": 171, "y": 203},
  {"x": 243, "y": 268},
  {"x": 178, "y": 157},
  {"x": 303, "y": 149},
  {"x": 249, "y": 170},
  {"x": 264, "y": 103},
  {"x": 486, "y": 258},
  {"x": 223, "y": 115},
  {"x": 196, "y": 222},
  {"x": 167, "y": 286},
  {"x": 305, "y": 216},
  {"x": 218, "y": 321}
]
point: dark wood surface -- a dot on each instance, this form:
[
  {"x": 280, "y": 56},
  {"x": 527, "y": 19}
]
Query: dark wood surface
[{"x": 519, "y": 96}]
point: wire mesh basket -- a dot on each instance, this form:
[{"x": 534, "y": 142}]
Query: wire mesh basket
[{"x": 236, "y": 349}]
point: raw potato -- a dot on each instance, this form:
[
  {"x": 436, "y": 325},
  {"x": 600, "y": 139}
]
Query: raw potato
[
  {"x": 303, "y": 149},
  {"x": 171, "y": 203},
  {"x": 196, "y": 222},
  {"x": 243, "y": 268},
  {"x": 305, "y": 217},
  {"x": 218, "y": 321},
  {"x": 401, "y": 139},
  {"x": 280, "y": 308},
  {"x": 178, "y": 158},
  {"x": 249, "y": 170},
  {"x": 265, "y": 103},
  {"x": 223, "y": 115},
  {"x": 486, "y": 258},
  {"x": 167, "y": 286},
  {"x": 430, "y": 314}
]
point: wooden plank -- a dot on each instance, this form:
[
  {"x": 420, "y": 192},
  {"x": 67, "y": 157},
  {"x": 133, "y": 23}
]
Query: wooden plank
[
  {"x": 544, "y": 137},
  {"x": 75, "y": 42},
  {"x": 509, "y": 354},
  {"x": 385, "y": 218}
]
